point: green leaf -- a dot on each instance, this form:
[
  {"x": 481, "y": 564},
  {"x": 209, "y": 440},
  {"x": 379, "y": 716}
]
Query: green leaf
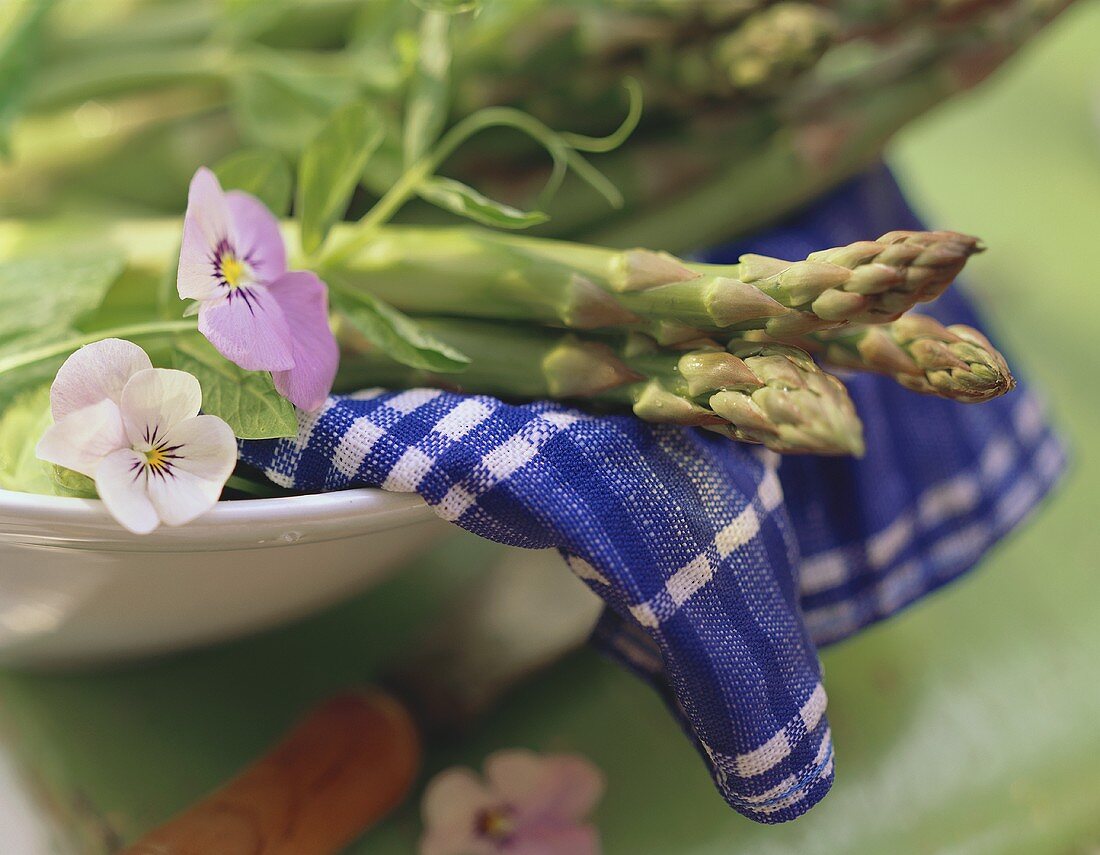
[
  {"x": 133, "y": 298},
  {"x": 330, "y": 169},
  {"x": 426, "y": 112},
  {"x": 51, "y": 291},
  {"x": 398, "y": 335},
  {"x": 465, "y": 201},
  {"x": 281, "y": 106},
  {"x": 22, "y": 424},
  {"x": 247, "y": 400},
  {"x": 262, "y": 172},
  {"x": 66, "y": 482},
  {"x": 17, "y": 382}
]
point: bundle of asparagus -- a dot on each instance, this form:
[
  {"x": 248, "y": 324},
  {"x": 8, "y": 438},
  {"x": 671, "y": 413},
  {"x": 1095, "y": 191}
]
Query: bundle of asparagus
[
  {"x": 722, "y": 347},
  {"x": 681, "y": 343},
  {"x": 752, "y": 106},
  {"x": 736, "y": 111},
  {"x": 756, "y": 392}
]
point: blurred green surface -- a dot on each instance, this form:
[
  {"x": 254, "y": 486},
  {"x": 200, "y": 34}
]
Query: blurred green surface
[{"x": 967, "y": 725}]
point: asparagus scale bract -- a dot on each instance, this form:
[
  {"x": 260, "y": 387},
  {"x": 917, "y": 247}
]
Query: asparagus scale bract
[
  {"x": 470, "y": 272},
  {"x": 759, "y": 392},
  {"x": 955, "y": 362}
]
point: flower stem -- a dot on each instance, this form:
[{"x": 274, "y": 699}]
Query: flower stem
[{"x": 39, "y": 354}]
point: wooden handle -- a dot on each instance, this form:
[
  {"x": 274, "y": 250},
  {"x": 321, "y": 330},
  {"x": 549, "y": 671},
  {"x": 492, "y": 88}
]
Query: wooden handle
[{"x": 342, "y": 768}]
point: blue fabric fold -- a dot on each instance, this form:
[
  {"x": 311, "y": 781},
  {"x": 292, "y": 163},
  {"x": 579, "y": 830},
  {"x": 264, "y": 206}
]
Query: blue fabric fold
[{"x": 723, "y": 566}]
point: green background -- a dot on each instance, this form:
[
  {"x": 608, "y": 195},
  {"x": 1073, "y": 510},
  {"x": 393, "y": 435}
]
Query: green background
[{"x": 969, "y": 724}]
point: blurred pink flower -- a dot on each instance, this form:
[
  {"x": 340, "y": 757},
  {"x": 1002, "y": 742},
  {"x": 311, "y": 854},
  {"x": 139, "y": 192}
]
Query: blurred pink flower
[
  {"x": 527, "y": 804},
  {"x": 255, "y": 312}
]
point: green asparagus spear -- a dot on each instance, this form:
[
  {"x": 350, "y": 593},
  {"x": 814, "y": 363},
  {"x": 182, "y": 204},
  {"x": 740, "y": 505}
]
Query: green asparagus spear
[
  {"x": 480, "y": 273},
  {"x": 955, "y": 362},
  {"x": 681, "y": 60},
  {"x": 476, "y": 272},
  {"x": 756, "y": 392},
  {"x": 759, "y": 164}
]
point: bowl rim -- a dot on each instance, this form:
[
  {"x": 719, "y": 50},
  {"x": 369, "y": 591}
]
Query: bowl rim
[{"x": 40, "y": 519}]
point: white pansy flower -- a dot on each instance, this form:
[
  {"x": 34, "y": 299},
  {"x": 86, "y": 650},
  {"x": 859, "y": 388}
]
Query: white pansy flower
[{"x": 136, "y": 431}]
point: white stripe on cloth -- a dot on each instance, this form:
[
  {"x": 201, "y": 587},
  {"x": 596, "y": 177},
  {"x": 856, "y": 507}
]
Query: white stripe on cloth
[
  {"x": 463, "y": 419},
  {"x": 516, "y": 451},
  {"x": 306, "y": 424},
  {"x": 964, "y": 545},
  {"x": 409, "y": 470},
  {"x": 795, "y": 790},
  {"x": 777, "y": 749},
  {"x": 790, "y": 790},
  {"x": 412, "y": 467},
  {"x": 412, "y": 399},
  {"x": 360, "y": 437},
  {"x": 694, "y": 576},
  {"x": 947, "y": 500},
  {"x": 355, "y": 445},
  {"x": 583, "y": 570}
]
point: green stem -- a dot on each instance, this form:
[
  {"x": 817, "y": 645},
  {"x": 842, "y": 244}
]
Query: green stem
[
  {"x": 255, "y": 489},
  {"x": 408, "y": 185},
  {"x": 40, "y": 354}
]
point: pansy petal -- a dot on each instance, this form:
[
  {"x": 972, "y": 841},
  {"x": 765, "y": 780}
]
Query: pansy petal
[
  {"x": 558, "y": 787},
  {"x": 249, "y": 328},
  {"x": 95, "y": 373},
  {"x": 304, "y": 301},
  {"x": 179, "y": 496},
  {"x": 256, "y": 236},
  {"x": 514, "y": 773},
  {"x": 205, "y": 224},
  {"x": 156, "y": 400},
  {"x": 121, "y": 484},
  {"x": 197, "y": 275},
  {"x": 205, "y": 448},
  {"x": 573, "y": 840},
  {"x": 82, "y": 439},
  {"x": 453, "y": 802},
  {"x": 453, "y": 799}
]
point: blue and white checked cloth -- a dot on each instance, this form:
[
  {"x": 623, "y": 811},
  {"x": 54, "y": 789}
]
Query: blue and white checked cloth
[{"x": 722, "y": 566}]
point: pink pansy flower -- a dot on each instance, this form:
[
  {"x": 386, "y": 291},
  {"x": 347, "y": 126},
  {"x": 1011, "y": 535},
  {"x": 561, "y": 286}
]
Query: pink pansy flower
[
  {"x": 255, "y": 312},
  {"x": 136, "y": 431},
  {"x": 526, "y": 804}
]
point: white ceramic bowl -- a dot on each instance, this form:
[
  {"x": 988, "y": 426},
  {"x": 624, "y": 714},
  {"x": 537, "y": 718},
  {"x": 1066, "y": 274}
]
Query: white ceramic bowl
[{"x": 76, "y": 589}]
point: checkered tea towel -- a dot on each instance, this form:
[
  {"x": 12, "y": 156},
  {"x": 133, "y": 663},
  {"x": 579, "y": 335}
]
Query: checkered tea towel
[{"x": 721, "y": 565}]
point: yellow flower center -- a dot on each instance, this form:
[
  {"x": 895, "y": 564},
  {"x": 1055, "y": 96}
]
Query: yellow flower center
[
  {"x": 156, "y": 458},
  {"x": 233, "y": 270}
]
